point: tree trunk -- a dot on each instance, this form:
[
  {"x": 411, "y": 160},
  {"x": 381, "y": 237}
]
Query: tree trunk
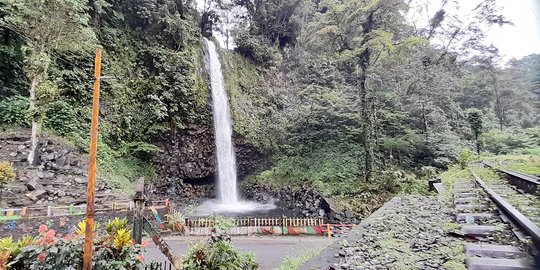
[
  {"x": 365, "y": 114},
  {"x": 424, "y": 123},
  {"x": 365, "y": 100},
  {"x": 498, "y": 104},
  {"x": 477, "y": 138},
  {"x": 35, "y": 121}
]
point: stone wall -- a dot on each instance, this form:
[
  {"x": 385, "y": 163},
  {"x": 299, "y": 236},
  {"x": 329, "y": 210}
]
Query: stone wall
[
  {"x": 59, "y": 177},
  {"x": 190, "y": 155}
]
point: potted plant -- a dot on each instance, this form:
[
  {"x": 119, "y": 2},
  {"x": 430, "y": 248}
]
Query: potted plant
[{"x": 175, "y": 221}]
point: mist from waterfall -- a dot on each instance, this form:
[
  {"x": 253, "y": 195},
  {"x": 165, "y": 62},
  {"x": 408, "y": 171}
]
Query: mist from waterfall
[{"x": 226, "y": 159}]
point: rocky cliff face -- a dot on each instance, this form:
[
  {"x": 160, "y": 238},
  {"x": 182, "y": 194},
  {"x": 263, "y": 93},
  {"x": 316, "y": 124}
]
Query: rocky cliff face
[
  {"x": 190, "y": 156},
  {"x": 59, "y": 178}
]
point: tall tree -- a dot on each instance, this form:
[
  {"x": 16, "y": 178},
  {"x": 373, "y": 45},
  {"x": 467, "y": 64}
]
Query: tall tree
[
  {"x": 46, "y": 27},
  {"x": 474, "y": 116}
]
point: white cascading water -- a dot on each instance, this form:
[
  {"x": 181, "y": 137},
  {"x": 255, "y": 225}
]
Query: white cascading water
[
  {"x": 226, "y": 159},
  {"x": 228, "y": 192}
]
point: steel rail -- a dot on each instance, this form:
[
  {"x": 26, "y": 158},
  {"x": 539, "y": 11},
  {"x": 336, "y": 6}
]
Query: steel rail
[
  {"x": 522, "y": 176},
  {"x": 525, "y": 224}
]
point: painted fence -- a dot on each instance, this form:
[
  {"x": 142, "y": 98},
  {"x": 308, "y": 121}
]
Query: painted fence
[
  {"x": 265, "y": 226},
  {"x": 258, "y": 222}
]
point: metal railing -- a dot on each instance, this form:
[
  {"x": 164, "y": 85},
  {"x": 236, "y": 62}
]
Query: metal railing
[{"x": 159, "y": 266}]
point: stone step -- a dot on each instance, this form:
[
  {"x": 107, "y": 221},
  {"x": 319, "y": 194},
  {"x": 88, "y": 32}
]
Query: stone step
[
  {"x": 476, "y": 216},
  {"x": 465, "y": 195},
  {"x": 478, "y": 230},
  {"x": 477, "y": 263},
  {"x": 494, "y": 251}
]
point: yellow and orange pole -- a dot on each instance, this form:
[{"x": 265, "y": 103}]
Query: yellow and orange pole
[
  {"x": 328, "y": 230},
  {"x": 89, "y": 231}
]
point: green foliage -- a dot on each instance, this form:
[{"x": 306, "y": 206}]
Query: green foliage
[
  {"x": 474, "y": 116},
  {"x": 333, "y": 168},
  {"x": 7, "y": 174},
  {"x": 257, "y": 48},
  {"x": 294, "y": 263},
  {"x": 13, "y": 111},
  {"x": 255, "y": 106},
  {"x": 529, "y": 164},
  {"x": 114, "y": 226},
  {"x": 216, "y": 256},
  {"x": 61, "y": 118},
  {"x": 512, "y": 141},
  {"x": 141, "y": 150},
  {"x": 223, "y": 223},
  {"x": 175, "y": 219},
  {"x": 122, "y": 172},
  {"x": 49, "y": 251},
  {"x": 464, "y": 158}
]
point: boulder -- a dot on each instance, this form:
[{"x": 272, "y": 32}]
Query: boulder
[
  {"x": 329, "y": 205},
  {"x": 80, "y": 180},
  {"x": 33, "y": 184},
  {"x": 36, "y": 195}
]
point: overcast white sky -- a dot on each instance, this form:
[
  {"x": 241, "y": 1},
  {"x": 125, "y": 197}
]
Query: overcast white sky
[
  {"x": 524, "y": 37},
  {"x": 513, "y": 41}
]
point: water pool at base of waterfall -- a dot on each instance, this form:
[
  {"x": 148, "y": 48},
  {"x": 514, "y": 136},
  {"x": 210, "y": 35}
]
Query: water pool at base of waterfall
[{"x": 216, "y": 207}]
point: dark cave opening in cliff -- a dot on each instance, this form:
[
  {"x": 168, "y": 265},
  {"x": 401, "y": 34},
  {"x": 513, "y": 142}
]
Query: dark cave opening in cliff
[{"x": 207, "y": 180}]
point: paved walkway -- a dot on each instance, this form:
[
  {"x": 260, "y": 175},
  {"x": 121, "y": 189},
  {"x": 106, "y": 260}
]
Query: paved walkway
[{"x": 269, "y": 251}]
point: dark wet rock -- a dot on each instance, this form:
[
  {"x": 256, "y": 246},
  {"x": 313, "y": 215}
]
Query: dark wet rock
[
  {"x": 190, "y": 155},
  {"x": 306, "y": 201},
  {"x": 33, "y": 184}
]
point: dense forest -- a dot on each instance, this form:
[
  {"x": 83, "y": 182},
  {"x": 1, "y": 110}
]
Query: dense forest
[{"x": 347, "y": 96}]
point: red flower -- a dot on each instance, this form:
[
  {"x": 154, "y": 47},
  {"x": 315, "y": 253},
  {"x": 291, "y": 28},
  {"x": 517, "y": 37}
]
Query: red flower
[
  {"x": 42, "y": 228},
  {"x": 144, "y": 244},
  {"x": 48, "y": 238},
  {"x": 140, "y": 258},
  {"x": 42, "y": 256}
]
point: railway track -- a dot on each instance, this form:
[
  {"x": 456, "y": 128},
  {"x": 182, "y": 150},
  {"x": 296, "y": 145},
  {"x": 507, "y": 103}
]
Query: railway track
[
  {"x": 524, "y": 182},
  {"x": 499, "y": 235}
]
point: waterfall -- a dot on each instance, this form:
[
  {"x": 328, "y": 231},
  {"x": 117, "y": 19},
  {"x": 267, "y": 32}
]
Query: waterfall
[
  {"x": 226, "y": 159},
  {"x": 228, "y": 201}
]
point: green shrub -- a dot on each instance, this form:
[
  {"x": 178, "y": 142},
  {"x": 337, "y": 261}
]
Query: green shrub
[
  {"x": 13, "y": 111},
  {"x": 61, "y": 118},
  {"x": 223, "y": 223},
  {"x": 140, "y": 150},
  {"x": 216, "y": 256},
  {"x": 464, "y": 157},
  {"x": 7, "y": 174},
  {"x": 333, "y": 169}
]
